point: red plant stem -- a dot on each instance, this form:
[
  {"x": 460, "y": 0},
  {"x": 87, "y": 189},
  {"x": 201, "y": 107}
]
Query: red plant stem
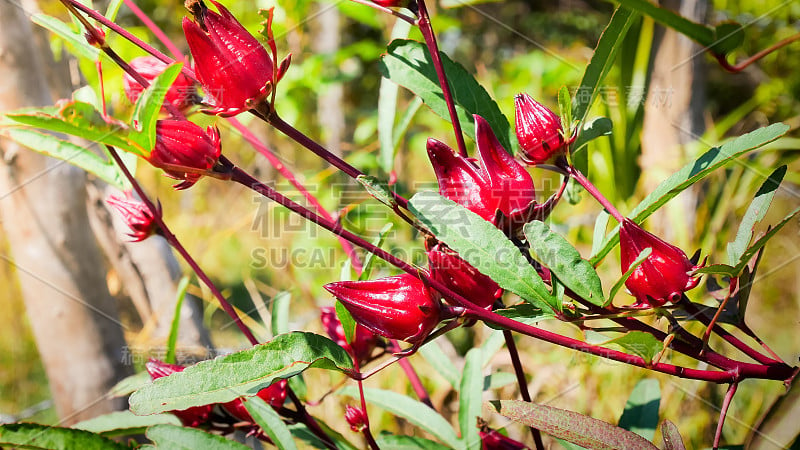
[
  {"x": 247, "y": 134},
  {"x": 592, "y": 190},
  {"x": 413, "y": 377},
  {"x": 309, "y": 421},
  {"x": 738, "y": 370},
  {"x": 367, "y": 433},
  {"x": 731, "y": 339},
  {"x": 521, "y": 382},
  {"x": 424, "y": 24},
  {"x": 321, "y": 151},
  {"x": 736, "y": 68},
  {"x": 126, "y": 34},
  {"x": 286, "y": 173},
  {"x": 723, "y": 412},
  {"x": 175, "y": 243},
  {"x": 176, "y": 53}
]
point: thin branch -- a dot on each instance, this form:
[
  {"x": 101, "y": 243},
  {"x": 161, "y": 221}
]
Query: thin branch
[
  {"x": 736, "y": 68},
  {"x": 723, "y": 412},
  {"x": 521, "y": 382}
]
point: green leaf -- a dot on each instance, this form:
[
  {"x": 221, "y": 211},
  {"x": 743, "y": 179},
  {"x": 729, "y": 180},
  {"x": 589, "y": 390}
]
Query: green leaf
[
  {"x": 639, "y": 343},
  {"x": 570, "y": 426},
  {"x": 600, "y": 225},
  {"x": 565, "y": 109},
  {"x": 525, "y": 313},
  {"x": 76, "y": 41},
  {"x": 692, "y": 173},
  {"x": 78, "y": 156},
  {"x": 387, "y": 107},
  {"x": 129, "y": 384},
  {"x": 179, "y": 438},
  {"x": 498, "y": 380},
  {"x": 593, "y": 129},
  {"x": 172, "y": 339},
  {"x": 409, "y": 64},
  {"x": 558, "y": 255},
  {"x": 416, "y": 413},
  {"x": 484, "y": 246},
  {"x": 269, "y": 421},
  {"x": 694, "y": 31},
  {"x": 755, "y": 214},
  {"x": 348, "y": 323},
  {"x": 82, "y": 120},
  {"x": 728, "y": 36},
  {"x": 121, "y": 423},
  {"x": 602, "y": 60},
  {"x": 470, "y": 394},
  {"x": 280, "y": 313},
  {"x": 641, "y": 410},
  {"x": 148, "y": 106},
  {"x": 240, "y": 374},
  {"x": 394, "y": 442},
  {"x": 762, "y": 241},
  {"x": 113, "y": 9},
  {"x": 437, "y": 359},
  {"x": 377, "y": 189},
  {"x": 34, "y": 435},
  {"x": 621, "y": 282},
  {"x": 300, "y": 431},
  {"x": 672, "y": 438},
  {"x": 369, "y": 260}
]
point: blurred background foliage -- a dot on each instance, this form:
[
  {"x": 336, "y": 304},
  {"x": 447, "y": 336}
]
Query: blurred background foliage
[{"x": 255, "y": 249}]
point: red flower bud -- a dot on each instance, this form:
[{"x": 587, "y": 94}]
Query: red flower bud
[
  {"x": 500, "y": 183},
  {"x": 234, "y": 68},
  {"x": 136, "y": 215},
  {"x": 539, "y": 130},
  {"x": 492, "y": 440},
  {"x": 464, "y": 279},
  {"x": 398, "y": 307},
  {"x": 355, "y": 418},
  {"x": 663, "y": 276},
  {"x": 274, "y": 395},
  {"x": 363, "y": 339},
  {"x": 182, "y": 94},
  {"x": 191, "y": 417},
  {"x": 182, "y": 145}
]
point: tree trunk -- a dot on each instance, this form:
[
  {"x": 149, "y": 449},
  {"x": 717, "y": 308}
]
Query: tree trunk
[
  {"x": 61, "y": 272},
  {"x": 673, "y": 113}
]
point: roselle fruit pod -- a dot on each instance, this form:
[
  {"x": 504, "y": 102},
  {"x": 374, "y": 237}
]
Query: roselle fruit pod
[
  {"x": 136, "y": 215},
  {"x": 190, "y": 417},
  {"x": 493, "y": 183},
  {"x": 274, "y": 395},
  {"x": 398, "y": 307},
  {"x": 235, "y": 70},
  {"x": 182, "y": 144},
  {"x": 462, "y": 278},
  {"x": 539, "y": 130},
  {"x": 182, "y": 94},
  {"x": 364, "y": 341},
  {"x": 661, "y": 277}
]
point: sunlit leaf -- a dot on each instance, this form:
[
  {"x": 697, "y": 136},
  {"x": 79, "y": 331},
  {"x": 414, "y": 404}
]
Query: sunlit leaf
[
  {"x": 240, "y": 374},
  {"x": 184, "y": 438},
  {"x": 33, "y": 435},
  {"x": 641, "y": 410}
]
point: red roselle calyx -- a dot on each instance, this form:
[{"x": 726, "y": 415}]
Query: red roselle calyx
[
  {"x": 182, "y": 145},
  {"x": 462, "y": 278},
  {"x": 496, "y": 187},
  {"x": 182, "y": 94},
  {"x": 364, "y": 341},
  {"x": 136, "y": 215},
  {"x": 191, "y": 417},
  {"x": 274, "y": 395},
  {"x": 355, "y": 418},
  {"x": 661, "y": 277},
  {"x": 399, "y": 307},
  {"x": 539, "y": 130},
  {"x": 234, "y": 68}
]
